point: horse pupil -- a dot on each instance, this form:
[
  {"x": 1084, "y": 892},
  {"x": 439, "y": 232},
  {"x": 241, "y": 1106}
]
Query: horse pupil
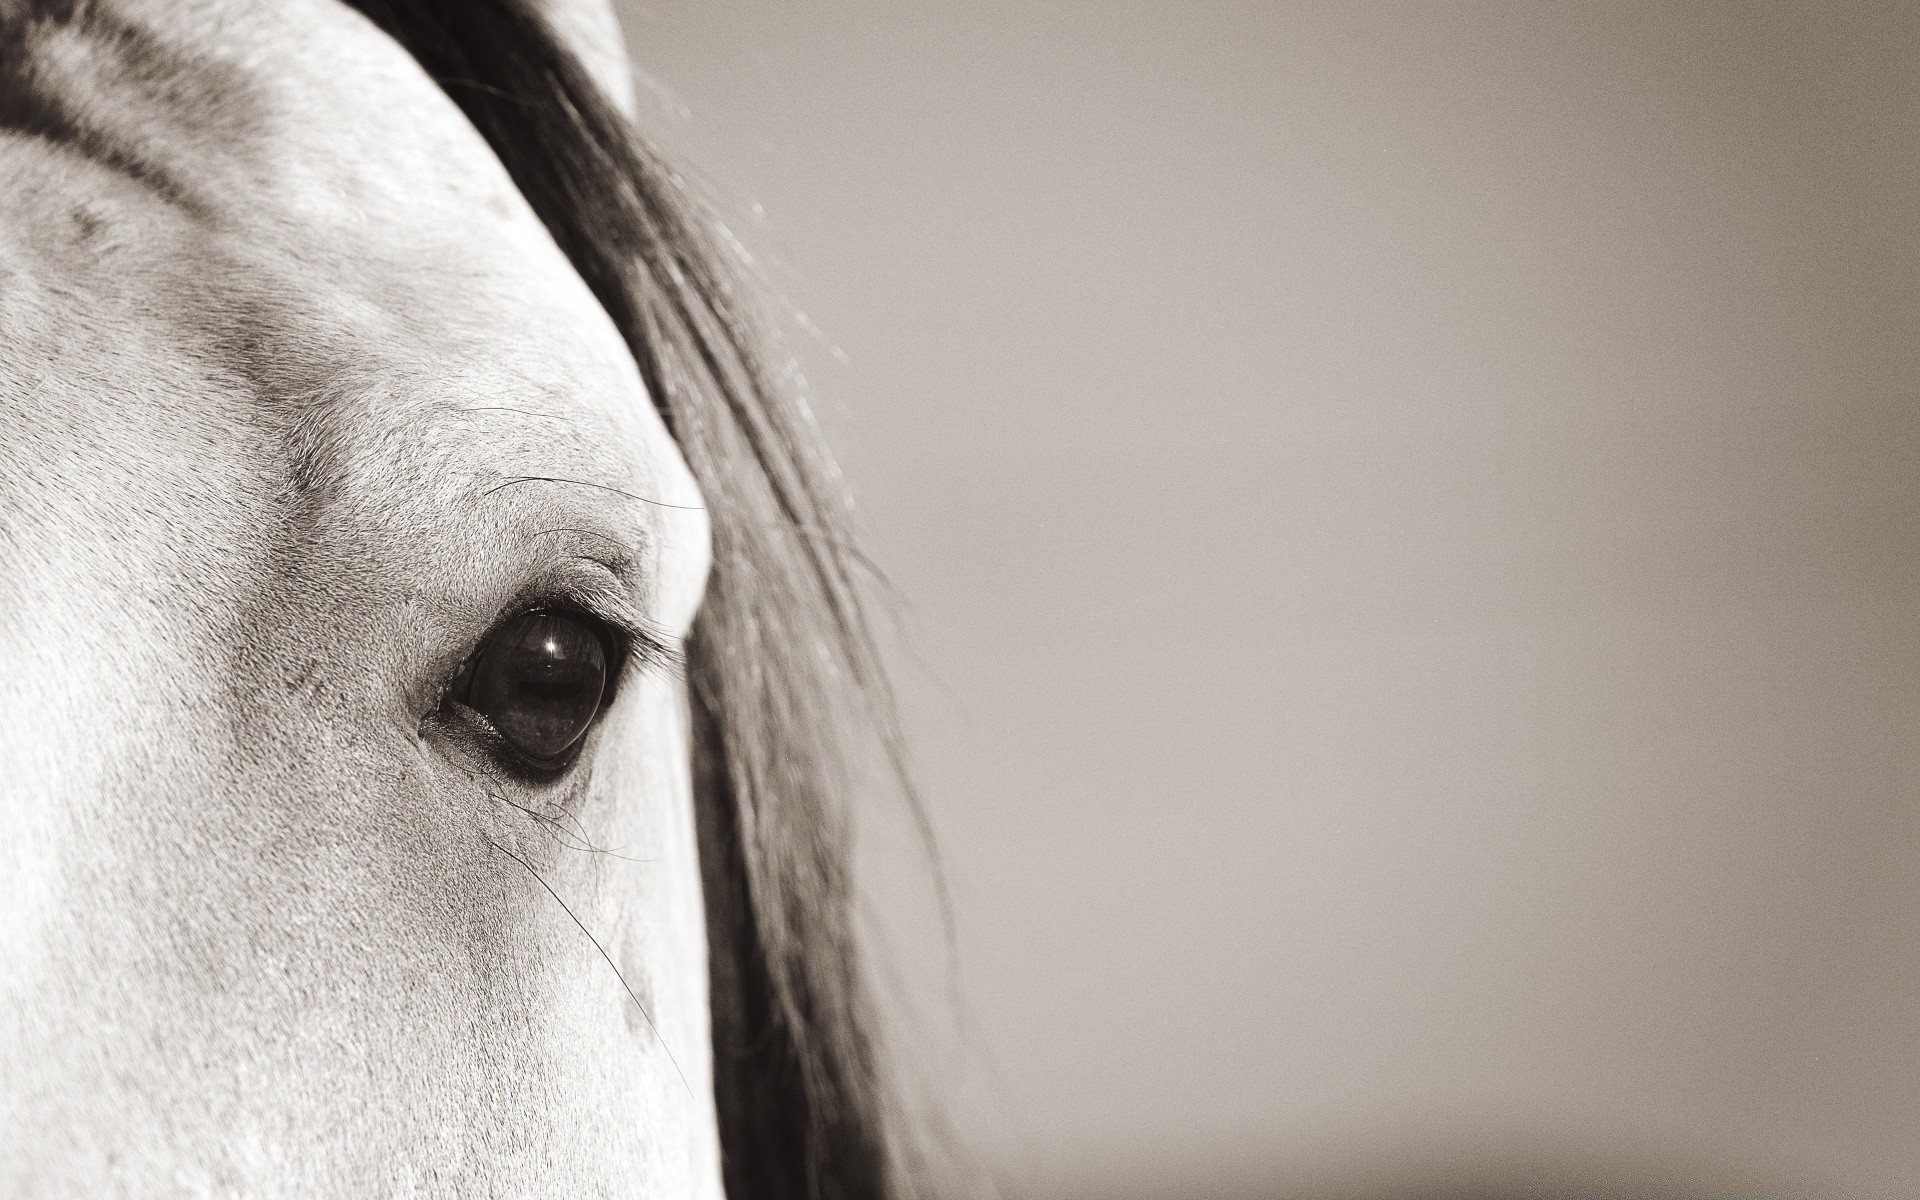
[{"x": 539, "y": 679}]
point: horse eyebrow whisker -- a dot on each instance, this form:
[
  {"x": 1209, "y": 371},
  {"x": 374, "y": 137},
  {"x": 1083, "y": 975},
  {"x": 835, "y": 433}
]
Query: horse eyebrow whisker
[
  {"x": 605, "y": 537},
  {"x": 600, "y": 486},
  {"x": 635, "y": 996},
  {"x": 525, "y": 412}
]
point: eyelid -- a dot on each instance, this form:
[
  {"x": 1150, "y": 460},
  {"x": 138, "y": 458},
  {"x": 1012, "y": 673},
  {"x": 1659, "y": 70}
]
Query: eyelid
[
  {"x": 595, "y": 589},
  {"x": 489, "y": 737}
]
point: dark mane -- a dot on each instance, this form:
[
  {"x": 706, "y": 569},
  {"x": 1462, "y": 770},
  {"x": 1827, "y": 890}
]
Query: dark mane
[{"x": 780, "y": 664}]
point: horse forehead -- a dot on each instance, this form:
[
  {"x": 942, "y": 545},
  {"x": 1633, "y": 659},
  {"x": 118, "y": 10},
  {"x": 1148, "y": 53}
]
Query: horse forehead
[
  {"x": 280, "y": 188},
  {"x": 299, "y": 110}
]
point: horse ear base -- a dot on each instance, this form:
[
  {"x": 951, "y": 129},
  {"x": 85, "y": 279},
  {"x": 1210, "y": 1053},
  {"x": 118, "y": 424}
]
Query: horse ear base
[{"x": 590, "y": 30}]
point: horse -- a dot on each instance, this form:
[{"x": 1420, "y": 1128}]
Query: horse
[{"x": 435, "y": 659}]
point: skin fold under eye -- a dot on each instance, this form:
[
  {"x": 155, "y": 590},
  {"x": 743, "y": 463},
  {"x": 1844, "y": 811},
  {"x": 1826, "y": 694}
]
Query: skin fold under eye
[{"x": 540, "y": 679}]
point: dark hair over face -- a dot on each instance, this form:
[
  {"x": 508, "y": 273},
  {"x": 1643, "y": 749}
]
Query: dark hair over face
[{"x": 781, "y": 666}]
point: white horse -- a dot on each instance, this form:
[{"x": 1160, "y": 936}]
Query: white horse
[{"x": 386, "y": 810}]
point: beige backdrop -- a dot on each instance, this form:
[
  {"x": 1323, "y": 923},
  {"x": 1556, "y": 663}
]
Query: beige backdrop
[{"x": 1408, "y": 514}]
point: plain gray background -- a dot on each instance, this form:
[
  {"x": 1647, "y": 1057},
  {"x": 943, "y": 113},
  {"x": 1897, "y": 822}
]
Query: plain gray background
[{"x": 1407, "y": 520}]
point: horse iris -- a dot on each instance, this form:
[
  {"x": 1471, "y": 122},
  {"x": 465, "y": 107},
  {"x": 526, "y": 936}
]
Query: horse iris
[{"x": 540, "y": 679}]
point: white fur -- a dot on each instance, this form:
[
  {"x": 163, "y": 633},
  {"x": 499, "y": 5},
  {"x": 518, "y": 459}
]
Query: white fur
[{"x": 268, "y": 927}]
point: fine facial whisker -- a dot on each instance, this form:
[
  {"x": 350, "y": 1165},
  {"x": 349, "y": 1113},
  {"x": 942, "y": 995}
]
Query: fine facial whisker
[
  {"x": 525, "y": 412},
  {"x": 589, "y": 484},
  {"x": 561, "y": 834},
  {"x": 633, "y": 995},
  {"x": 605, "y": 537},
  {"x": 574, "y": 838},
  {"x": 580, "y": 834}
]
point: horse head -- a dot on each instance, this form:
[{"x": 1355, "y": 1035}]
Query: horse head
[{"x": 378, "y": 790}]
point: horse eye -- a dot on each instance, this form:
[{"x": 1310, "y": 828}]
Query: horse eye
[{"x": 540, "y": 679}]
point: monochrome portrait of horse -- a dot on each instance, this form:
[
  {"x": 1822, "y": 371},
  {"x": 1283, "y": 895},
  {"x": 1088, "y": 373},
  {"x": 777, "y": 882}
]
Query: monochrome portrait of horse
[{"x": 432, "y": 652}]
